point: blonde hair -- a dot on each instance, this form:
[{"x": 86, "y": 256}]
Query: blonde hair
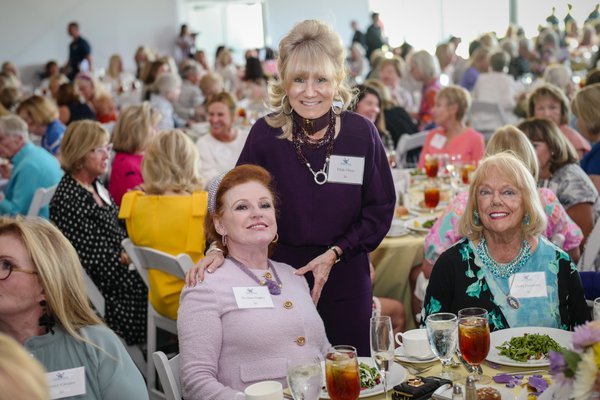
[
  {"x": 21, "y": 376},
  {"x": 224, "y": 98},
  {"x": 510, "y": 138},
  {"x": 511, "y": 168},
  {"x": 554, "y": 92},
  {"x": 40, "y": 109},
  {"x": 115, "y": 66},
  {"x": 59, "y": 271},
  {"x": 311, "y": 46},
  {"x": 209, "y": 79},
  {"x": 79, "y": 139},
  {"x": 171, "y": 162},
  {"x": 134, "y": 127},
  {"x": 458, "y": 96},
  {"x": 585, "y": 107},
  {"x": 396, "y": 62}
]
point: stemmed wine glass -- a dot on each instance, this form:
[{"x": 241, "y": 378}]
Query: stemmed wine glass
[
  {"x": 305, "y": 378},
  {"x": 474, "y": 339},
  {"x": 382, "y": 346},
  {"x": 442, "y": 330}
]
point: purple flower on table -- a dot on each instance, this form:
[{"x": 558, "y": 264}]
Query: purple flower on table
[
  {"x": 558, "y": 365},
  {"x": 584, "y": 336}
]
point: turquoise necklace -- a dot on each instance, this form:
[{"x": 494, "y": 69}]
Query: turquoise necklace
[{"x": 504, "y": 270}]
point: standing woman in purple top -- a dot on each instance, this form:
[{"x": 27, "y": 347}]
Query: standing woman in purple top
[{"x": 332, "y": 175}]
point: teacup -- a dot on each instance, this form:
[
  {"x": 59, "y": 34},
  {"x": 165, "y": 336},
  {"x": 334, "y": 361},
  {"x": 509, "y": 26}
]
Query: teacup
[
  {"x": 414, "y": 343},
  {"x": 266, "y": 390}
]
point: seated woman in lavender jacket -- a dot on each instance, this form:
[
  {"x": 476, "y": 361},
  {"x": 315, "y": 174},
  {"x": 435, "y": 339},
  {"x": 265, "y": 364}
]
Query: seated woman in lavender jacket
[{"x": 241, "y": 325}]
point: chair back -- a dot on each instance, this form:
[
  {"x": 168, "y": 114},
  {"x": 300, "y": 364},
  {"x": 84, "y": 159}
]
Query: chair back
[
  {"x": 40, "y": 199},
  {"x": 168, "y": 374},
  {"x": 407, "y": 143},
  {"x": 486, "y": 117},
  {"x": 592, "y": 248}
]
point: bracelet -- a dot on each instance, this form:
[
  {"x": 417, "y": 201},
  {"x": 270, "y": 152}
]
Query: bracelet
[{"x": 338, "y": 256}]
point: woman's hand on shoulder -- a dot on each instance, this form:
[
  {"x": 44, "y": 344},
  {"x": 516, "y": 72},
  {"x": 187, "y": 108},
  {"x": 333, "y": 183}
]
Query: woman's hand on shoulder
[
  {"x": 211, "y": 261},
  {"x": 320, "y": 267}
]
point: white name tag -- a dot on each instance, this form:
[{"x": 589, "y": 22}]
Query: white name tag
[
  {"x": 438, "y": 141},
  {"x": 528, "y": 284},
  {"x": 346, "y": 169},
  {"x": 66, "y": 383},
  {"x": 253, "y": 297}
]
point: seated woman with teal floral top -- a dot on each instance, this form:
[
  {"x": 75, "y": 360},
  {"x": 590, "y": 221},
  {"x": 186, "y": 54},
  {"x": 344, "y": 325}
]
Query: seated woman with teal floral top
[{"x": 504, "y": 264}]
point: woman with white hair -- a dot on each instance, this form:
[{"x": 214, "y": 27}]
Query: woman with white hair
[
  {"x": 167, "y": 89},
  {"x": 425, "y": 68}
]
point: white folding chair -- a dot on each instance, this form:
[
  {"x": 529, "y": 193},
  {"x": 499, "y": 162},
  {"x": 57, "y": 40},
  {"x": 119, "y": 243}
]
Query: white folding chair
[
  {"x": 40, "y": 199},
  {"x": 168, "y": 374},
  {"x": 592, "y": 248},
  {"x": 145, "y": 258},
  {"x": 487, "y": 117},
  {"x": 409, "y": 142}
]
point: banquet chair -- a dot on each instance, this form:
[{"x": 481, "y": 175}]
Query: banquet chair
[
  {"x": 99, "y": 304},
  {"x": 407, "y": 143},
  {"x": 486, "y": 117},
  {"x": 40, "y": 199},
  {"x": 168, "y": 374},
  {"x": 592, "y": 248},
  {"x": 145, "y": 258}
]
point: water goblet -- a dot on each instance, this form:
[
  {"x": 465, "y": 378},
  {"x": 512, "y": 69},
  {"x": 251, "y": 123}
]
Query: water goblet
[
  {"x": 442, "y": 331},
  {"x": 305, "y": 378},
  {"x": 341, "y": 372},
  {"x": 382, "y": 347},
  {"x": 474, "y": 338}
]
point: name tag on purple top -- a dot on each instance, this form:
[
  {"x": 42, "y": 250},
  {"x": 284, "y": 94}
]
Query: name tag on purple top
[{"x": 346, "y": 169}]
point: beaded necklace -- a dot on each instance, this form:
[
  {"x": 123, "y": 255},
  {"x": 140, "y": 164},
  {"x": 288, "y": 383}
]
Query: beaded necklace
[
  {"x": 274, "y": 287},
  {"x": 299, "y": 139}
]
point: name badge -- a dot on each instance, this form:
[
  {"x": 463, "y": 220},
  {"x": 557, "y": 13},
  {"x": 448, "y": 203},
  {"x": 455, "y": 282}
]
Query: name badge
[
  {"x": 66, "y": 382},
  {"x": 438, "y": 141},
  {"x": 346, "y": 169},
  {"x": 528, "y": 284},
  {"x": 253, "y": 297}
]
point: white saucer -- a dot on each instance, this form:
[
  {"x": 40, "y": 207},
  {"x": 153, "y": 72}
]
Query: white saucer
[{"x": 399, "y": 354}]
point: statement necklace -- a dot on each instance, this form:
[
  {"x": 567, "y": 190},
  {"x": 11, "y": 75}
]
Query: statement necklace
[
  {"x": 311, "y": 126},
  {"x": 273, "y": 286},
  {"x": 301, "y": 138},
  {"x": 505, "y": 270}
]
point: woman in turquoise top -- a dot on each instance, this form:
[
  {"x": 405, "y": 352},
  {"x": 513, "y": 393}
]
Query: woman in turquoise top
[
  {"x": 44, "y": 306},
  {"x": 504, "y": 264}
]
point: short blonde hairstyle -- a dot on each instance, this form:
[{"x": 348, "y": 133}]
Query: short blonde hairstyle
[
  {"x": 40, "y": 109},
  {"x": 510, "y": 138},
  {"x": 171, "y": 163},
  {"x": 509, "y": 167},
  {"x": 80, "y": 138},
  {"x": 210, "y": 79},
  {"x": 134, "y": 127},
  {"x": 21, "y": 376},
  {"x": 554, "y": 92},
  {"x": 396, "y": 62},
  {"x": 311, "y": 46},
  {"x": 585, "y": 107},
  {"x": 458, "y": 96},
  {"x": 428, "y": 65},
  {"x": 59, "y": 271},
  {"x": 224, "y": 98},
  {"x": 115, "y": 66}
]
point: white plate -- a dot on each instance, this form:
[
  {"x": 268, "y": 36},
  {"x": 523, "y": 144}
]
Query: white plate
[
  {"x": 398, "y": 228},
  {"x": 411, "y": 214},
  {"x": 396, "y": 375},
  {"x": 505, "y": 394},
  {"x": 497, "y": 338},
  {"x": 416, "y": 224},
  {"x": 399, "y": 353}
]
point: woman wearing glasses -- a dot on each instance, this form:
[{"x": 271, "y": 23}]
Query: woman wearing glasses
[{"x": 86, "y": 214}]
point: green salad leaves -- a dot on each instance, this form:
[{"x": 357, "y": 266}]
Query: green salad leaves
[
  {"x": 369, "y": 376},
  {"x": 528, "y": 347}
]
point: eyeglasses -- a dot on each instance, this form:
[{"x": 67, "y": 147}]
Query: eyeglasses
[
  {"x": 103, "y": 149},
  {"x": 6, "y": 268}
]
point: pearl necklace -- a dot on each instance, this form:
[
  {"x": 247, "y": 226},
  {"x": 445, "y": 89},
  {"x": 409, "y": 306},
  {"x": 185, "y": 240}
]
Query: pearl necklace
[{"x": 274, "y": 287}]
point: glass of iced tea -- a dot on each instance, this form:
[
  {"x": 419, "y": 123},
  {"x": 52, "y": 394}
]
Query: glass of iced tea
[
  {"x": 341, "y": 370},
  {"x": 466, "y": 172},
  {"x": 431, "y": 165},
  {"x": 474, "y": 338},
  {"x": 431, "y": 194}
]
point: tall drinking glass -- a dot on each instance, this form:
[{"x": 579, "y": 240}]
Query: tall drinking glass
[
  {"x": 341, "y": 370},
  {"x": 305, "y": 378},
  {"x": 382, "y": 347},
  {"x": 431, "y": 195},
  {"x": 474, "y": 338},
  {"x": 442, "y": 330},
  {"x": 431, "y": 165}
]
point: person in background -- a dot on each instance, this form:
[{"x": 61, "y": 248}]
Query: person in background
[
  {"x": 222, "y": 346},
  {"x": 191, "y": 97},
  {"x": 390, "y": 72},
  {"x": 425, "y": 68},
  {"x": 185, "y": 45},
  {"x": 50, "y": 69},
  {"x": 21, "y": 376},
  {"x": 496, "y": 86},
  {"x": 357, "y": 35},
  {"x": 356, "y": 63},
  {"x": 220, "y": 149},
  {"x": 117, "y": 78},
  {"x": 167, "y": 90},
  {"x": 548, "y": 101},
  {"x": 41, "y": 116},
  {"x": 45, "y": 308},
  {"x": 150, "y": 73},
  {"x": 502, "y": 227},
  {"x": 80, "y": 53},
  {"x": 252, "y": 92},
  {"x": 201, "y": 59},
  {"x": 374, "y": 35},
  {"x": 28, "y": 168},
  {"x": 142, "y": 57},
  {"x": 54, "y": 83},
  {"x": 168, "y": 213},
  {"x": 84, "y": 212},
  {"x": 585, "y": 108},
  {"x": 479, "y": 63},
  {"x": 560, "y": 76},
  {"x": 134, "y": 129},
  {"x": 225, "y": 67},
  {"x": 452, "y": 135},
  {"x": 70, "y": 107},
  {"x": 210, "y": 84}
]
